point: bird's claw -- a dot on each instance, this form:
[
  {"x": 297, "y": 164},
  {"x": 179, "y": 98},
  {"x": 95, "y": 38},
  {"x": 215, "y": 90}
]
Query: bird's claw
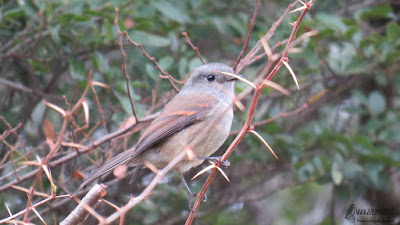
[
  {"x": 224, "y": 163},
  {"x": 191, "y": 196}
]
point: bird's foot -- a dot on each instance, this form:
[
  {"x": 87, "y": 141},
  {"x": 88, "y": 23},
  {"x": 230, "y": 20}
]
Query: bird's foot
[{"x": 224, "y": 163}]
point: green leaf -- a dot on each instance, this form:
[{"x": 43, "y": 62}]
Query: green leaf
[
  {"x": 381, "y": 11},
  {"x": 364, "y": 142},
  {"x": 376, "y": 103},
  {"x": 341, "y": 58},
  {"x": 152, "y": 71},
  {"x": 143, "y": 24},
  {"x": 238, "y": 27},
  {"x": 219, "y": 24},
  {"x": 108, "y": 31},
  {"x": 148, "y": 39},
  {"x": 174, "y": 46},
  {"x": 121, "y": 25},
  {"x": 166, "y": 62},
  {"x": 360, "y": 97},
  {"x": 392, "y": 32},
  {"x": 305, "y": 171},
  {"x": 140, "y": 85},
  {"x": 125, "y": 103},
  {"x": 13, "y": 14},
  {"x": 76, "y": 68},
  {"x": 374, "y": 171},
  {"x": 183, "y": 67},
  {"x": 67, "y": 18},
  {"x": 351, "y": 170},
  {"x": 171, "y": 12},
  {"x": 114, "y": 3},
  {"x": 195, "y": 62},
  {"x": 38, "y": 113},
  {"x": 101, "y": 62},
  {"x": 381, "y": 157},
  {"x": 146, "y": 11},
  {"x": 358, "y": 66},
  {"x": 331, "y": 21},
  {"x": 318, "y": 165},
  {"x": 101, "y": 13},
  {"x": 41, "y": 4}
]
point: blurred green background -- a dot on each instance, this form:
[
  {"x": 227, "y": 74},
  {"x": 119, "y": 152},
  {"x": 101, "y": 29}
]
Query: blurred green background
[{"x": 342, "y": 149}]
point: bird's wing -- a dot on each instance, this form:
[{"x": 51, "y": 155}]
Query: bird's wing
[
  {"x": 174, "y": 118},
  {"x": 170, "y": 121}
]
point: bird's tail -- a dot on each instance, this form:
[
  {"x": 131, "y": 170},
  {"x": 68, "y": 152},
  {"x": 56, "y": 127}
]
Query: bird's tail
[{"x": 118, "y": 160}]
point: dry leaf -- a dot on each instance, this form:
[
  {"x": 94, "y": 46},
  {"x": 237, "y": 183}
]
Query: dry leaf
[{"x": 48, "y": 129}]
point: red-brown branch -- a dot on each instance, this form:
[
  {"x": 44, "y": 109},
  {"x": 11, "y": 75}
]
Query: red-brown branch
[
  {"x": 153, "y": 60},
  {"x": 120, "y": 43},
  {"x": 253, "y": 52},
  {"x": 248, "y": 124},
  {"x": 194, "y": 47},
  {"x": 252, "y": 22}
]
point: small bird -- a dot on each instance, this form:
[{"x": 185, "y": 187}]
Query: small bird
[{"x": 199, "y": 117}]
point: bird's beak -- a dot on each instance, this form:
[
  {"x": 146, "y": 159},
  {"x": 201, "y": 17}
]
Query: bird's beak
[{"x": 234, "y": 78}]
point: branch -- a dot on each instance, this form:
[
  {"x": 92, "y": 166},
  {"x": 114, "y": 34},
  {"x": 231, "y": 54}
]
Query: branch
[
  {"x": 253, "y": 52},
  {"x": 124, "y": 64},
  {"x": 20, "y": 87},
  {"x": 252, "y": 21},
  {"x": 79, "y": 214},
  {"x": 76, "y": 154},
  {"x": 194, "y": 47},
  {"x": 248, "y": 124},
  {"x": 168, "y": 76},
  {"x": 146, "y": 192}
]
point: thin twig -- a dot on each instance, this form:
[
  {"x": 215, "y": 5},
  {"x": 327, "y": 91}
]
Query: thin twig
[
  {"x": 253, "y": 52},
  {"x": 96, "y": 97},
  {"x": 194, "y": 47},
  {"x": 168, "y": 76},
  {"x": 20, "y": 87},
  {"x": 146, "y": 192},
  {"x": 7, "y": 132},
  {"x": 74, "y": 154},
  {"x": 44, "y": 201},
  {"x": 124, "y": 64},
  {"x": 252, "y": 21},
  {"x": 293, "y": 112}
]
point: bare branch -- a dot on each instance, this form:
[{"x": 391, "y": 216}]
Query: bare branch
[
  {"x": 124, "y": 64},
  {"x": 194, "y": 47},
  {"x": 252, "y": 21},
  {"x": 91, "y": 199}
]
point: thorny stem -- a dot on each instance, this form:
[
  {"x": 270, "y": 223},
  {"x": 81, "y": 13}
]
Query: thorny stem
[
  {"x": 247, "y": 126},
  {"x": 252, "y": 53}
]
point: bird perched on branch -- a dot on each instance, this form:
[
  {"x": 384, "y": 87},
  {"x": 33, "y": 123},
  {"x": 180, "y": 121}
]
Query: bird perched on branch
[{"x": 197, "y": 120}]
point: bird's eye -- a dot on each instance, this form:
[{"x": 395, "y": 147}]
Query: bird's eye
[{"x": 210, "y": 77}]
